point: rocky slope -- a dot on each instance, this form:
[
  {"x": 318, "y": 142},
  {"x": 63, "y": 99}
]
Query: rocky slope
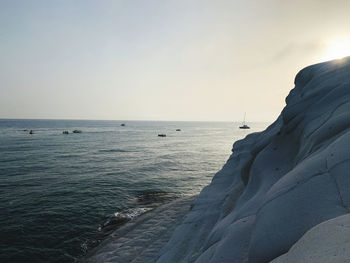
[
  {"x": 279, "y": 183},
  {"x": 140, "y": 240}
]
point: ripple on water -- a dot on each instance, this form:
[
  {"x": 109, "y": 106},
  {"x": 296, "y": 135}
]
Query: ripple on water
[{"x": 57, "y": 190}]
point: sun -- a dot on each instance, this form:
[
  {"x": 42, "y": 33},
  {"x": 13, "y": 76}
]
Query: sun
[{"x": 337, "y": 48}]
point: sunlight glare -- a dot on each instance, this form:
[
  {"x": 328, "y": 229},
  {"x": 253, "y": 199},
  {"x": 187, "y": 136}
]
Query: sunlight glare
[{"x": 337, "y": 48}]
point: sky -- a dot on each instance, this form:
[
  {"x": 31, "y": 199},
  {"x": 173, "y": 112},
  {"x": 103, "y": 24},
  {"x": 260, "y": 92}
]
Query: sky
[{"x": 161, "y": 59}]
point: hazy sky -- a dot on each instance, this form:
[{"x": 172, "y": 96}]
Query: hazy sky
[{"x": 160, "y": 59}]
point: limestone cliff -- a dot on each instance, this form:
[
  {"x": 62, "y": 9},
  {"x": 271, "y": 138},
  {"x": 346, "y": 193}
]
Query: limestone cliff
[{"x": 279, "y": 183}]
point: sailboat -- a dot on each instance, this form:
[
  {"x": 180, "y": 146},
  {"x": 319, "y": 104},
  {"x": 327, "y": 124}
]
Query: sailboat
[{"x": 244, "y": 126}]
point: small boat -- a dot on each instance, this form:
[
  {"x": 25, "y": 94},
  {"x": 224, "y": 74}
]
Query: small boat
[
  {"x": 178, "y": 129},
  {"x": 244, "y": 126},
  {"x": 31, "y": 132},
  {"x": 123, "y": 124},
  {"x": 161, "y": 135},
  {"x": 77, "y": 131},
  {"x": 65, "y": 132}
]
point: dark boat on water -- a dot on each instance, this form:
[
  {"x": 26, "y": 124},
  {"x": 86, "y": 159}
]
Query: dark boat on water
[
  {"x": 77, "y": 131},
  {"x": 244, "y": 126},
  {"x": 123, "y": 124},
  {"x": 161, "y": 135}
]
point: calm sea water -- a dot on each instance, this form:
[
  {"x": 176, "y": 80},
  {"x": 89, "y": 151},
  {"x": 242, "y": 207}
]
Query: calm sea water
[{"x": 57, "y": 190}]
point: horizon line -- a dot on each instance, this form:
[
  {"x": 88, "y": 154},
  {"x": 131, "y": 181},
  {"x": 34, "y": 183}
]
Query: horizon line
[{"x": 125, "y": 120}]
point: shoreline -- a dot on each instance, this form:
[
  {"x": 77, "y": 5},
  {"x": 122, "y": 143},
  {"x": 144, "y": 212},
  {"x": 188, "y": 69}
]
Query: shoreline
[{"x": 142, "y": 239}]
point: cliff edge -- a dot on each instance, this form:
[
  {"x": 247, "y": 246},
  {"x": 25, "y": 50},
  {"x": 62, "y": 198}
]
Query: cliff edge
[{"x": 279, "y": 184}]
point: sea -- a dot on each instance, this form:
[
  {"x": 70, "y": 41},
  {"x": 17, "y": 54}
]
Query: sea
[{"x": 61, "y": 194}]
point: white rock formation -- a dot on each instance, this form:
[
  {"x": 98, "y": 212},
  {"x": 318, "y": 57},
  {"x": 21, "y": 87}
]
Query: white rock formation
[
  {"x": 326, "y": 242},
  {"x": 280, "y": 183}
]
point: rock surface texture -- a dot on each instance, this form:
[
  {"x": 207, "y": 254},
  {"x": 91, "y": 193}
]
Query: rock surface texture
[
  {"x": 326, "y": 242},
  {"x": 279, "y": 184},
  {"x": 140, "y": 240}
]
